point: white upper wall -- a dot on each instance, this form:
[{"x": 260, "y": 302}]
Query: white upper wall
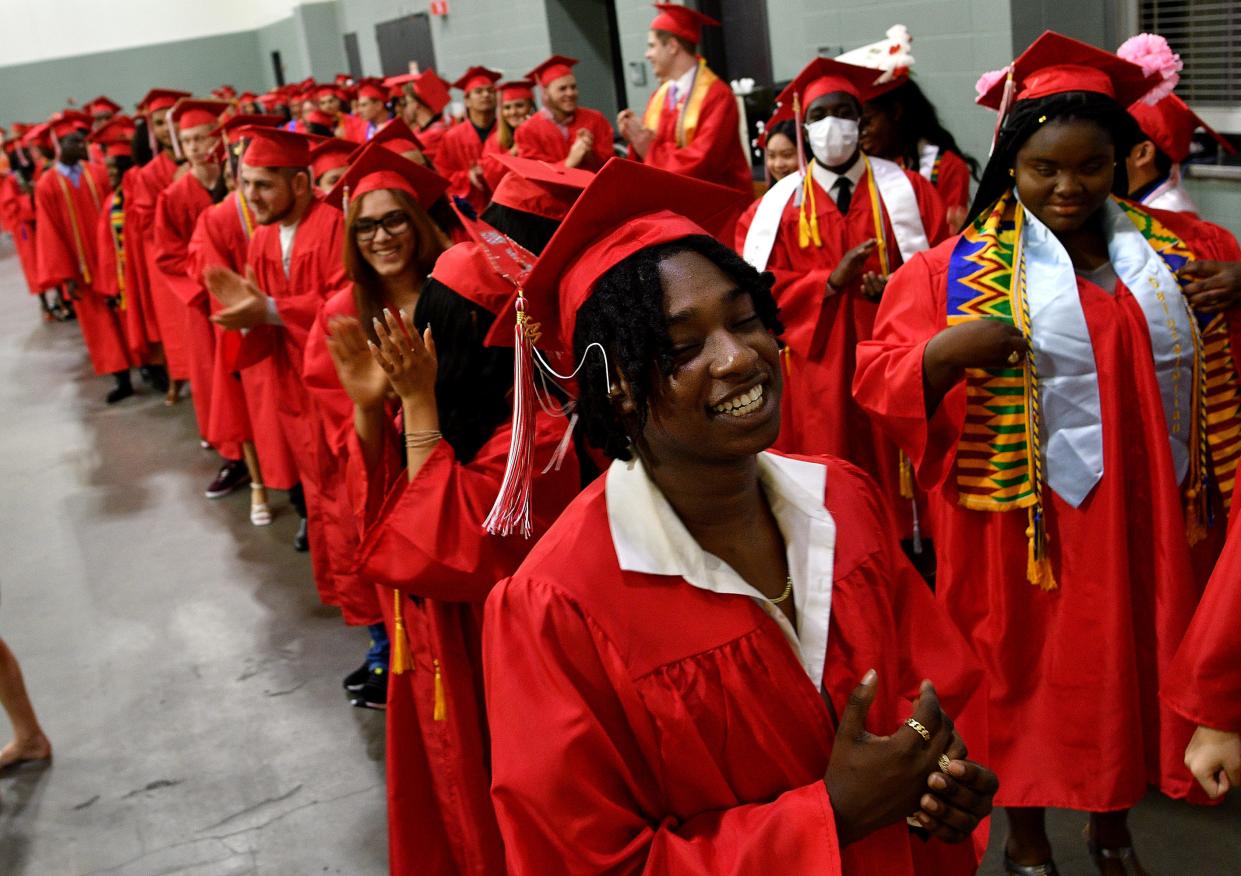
[{"x": 42, "y": 31}]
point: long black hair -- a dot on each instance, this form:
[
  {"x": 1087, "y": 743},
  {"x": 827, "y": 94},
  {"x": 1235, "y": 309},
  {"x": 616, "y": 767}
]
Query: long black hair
[
  {"x": 1029, "y": 116},
  {"x": 141, "y": 141},
  {"x": 472, "y": 382},
  {"x": 625, "y": 313},
  {"x": 529, "y": 229},
  {"x": 919, "y": 121}
]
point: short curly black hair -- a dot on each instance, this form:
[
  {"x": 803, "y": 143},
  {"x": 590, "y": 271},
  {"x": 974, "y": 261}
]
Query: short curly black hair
[{"x": 625, "y": 313}]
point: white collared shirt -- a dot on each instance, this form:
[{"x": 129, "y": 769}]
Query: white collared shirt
[
  {"x": 650, "y": 538},
  {"x": 826, "y": 178},
  {"x": 682, "y": 84}
]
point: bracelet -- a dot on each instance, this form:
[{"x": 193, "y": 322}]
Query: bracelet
[{"x": 420, "y": 439}]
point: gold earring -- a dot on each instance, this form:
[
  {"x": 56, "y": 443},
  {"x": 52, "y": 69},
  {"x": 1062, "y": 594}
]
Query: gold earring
[{"x": 1011, "y": 172}]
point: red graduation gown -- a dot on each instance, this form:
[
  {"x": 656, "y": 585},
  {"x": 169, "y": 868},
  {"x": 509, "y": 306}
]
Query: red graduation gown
[
  {"x": 159, "y": 302},
  {"x": 1204, "y": 682},
  {"x": 17, "y": 217},
  {"x": 952, "y": 182},
  {"x": 643, "y": 725},
  {"x": 141, "y": 326},
  {"x": 315, "y": 269},
  {"x": 540, "y": 138},
  {"x": 460, "y": 149},
  {"x": 66, "y": 237},
  {"x": 426, "y": 540},
  {"x": 176, "y": 213},
  {"x": 238, "y": 412},
  {"x": 818, "y": 413},
  {"x": 714, "y": 153},
  {"x": 431, "y": 136},
  {"x": 1074, "y": 672}
]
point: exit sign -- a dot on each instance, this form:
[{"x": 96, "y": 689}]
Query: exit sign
[{"x": 439, "y": 7}]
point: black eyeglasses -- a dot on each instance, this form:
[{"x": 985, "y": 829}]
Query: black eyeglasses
[{"x": 395, "y": 223}]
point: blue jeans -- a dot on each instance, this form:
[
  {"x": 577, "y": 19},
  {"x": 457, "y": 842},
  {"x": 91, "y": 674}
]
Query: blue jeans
[{"x": 377, "y": 656}]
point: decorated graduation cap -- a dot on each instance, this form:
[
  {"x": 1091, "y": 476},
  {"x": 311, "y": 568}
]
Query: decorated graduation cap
[
  {"x": 547, "y": 190},
  {"x": 160, "y": 99},
  {"x": 275, "y": 147},
  {"x": 682, "y": 22},
  {"x": 552, "y": 69},
  {"x": 477, "y": 77},
  {"x": 101, "y": 106},
  {"x": 471, "y": 270},
  {"x": 1055, "y": 64},
  {"x": 375, "y": 167},
  {"x": 892, "y": 56},
  {"x": 115, "y": 137},
  {"x": 516, "y": 89},
  {"x": 329, "y": 155},
  {"x": 627, "y": 208}
]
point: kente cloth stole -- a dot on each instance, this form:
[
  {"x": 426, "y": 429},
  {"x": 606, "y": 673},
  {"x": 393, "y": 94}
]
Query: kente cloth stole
[
  {"x": 691, "y": 109},
  {"x": 116, "y": 221},
  {"x": 74, "y": 225}
]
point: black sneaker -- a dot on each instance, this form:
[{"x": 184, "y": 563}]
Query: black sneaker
[
  {"x": 355, "y": 680},
  {"x": 124, "y": 388},
  {"x": 233, "y": 474},
  {"x": 155, "y": 376},
  {"x": 301, "y": 541},
  {"x": 374, "y": 691}
]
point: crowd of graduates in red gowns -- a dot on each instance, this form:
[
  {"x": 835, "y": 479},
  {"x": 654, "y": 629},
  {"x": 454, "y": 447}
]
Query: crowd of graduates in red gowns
[{"x": 695, "y": 533}]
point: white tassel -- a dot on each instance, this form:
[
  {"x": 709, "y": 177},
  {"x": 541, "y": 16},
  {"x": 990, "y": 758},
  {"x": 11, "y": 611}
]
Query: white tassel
[{"x": 511, "y": 511}]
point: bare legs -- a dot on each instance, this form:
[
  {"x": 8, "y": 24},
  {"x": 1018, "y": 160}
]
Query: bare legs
[
  {"x": 1028, "y": 844},
  {"x": 28, "y": 743},
  {"x": 260, "y": 511}
]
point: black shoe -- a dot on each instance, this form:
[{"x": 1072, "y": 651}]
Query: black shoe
[
  {"x": 301, "y": 541},
  {"x": 233, "y": 474},
  {"x": 374, "y": 691},
  {"x": 356, "y": 680},
  {"x": 124, "y": 388},
  {"x": 155, "y": 376}
]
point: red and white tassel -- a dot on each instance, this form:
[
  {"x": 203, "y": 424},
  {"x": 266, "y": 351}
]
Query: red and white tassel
[
  {"x": 801, "y": 139},
  {"x": 511, "y": 511}
]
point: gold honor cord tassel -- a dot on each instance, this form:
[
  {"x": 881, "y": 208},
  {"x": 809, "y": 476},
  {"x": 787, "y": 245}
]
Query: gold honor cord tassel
[
  {"x": 876, "y": 212},
  {"x": 400, "y": 662},
  {"x": 440, "y": 712}
]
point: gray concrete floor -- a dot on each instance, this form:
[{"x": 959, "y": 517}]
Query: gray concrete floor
[
  {"x": 187, "y": 675},
  {"x": 177, "y": 656}
]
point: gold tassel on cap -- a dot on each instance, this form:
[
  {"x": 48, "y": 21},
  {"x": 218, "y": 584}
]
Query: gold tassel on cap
[{"x": 400, "y": 661}]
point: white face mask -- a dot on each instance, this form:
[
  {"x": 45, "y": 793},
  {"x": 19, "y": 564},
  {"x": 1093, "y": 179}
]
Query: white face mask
[{"x": 832, "y": 140}]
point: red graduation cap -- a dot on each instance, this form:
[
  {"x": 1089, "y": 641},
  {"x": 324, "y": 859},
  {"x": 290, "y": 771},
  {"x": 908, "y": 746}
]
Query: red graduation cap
[
  {"x": 343, "y": 79},
  {"x": 67, "y": 122},
  {"x": 427, "y": 86},
  {"x": 330, "y": 154},
  {"x": 318, "y": 117},
  {"x": 397, "y": 136},
  {"x": 682, "y": 21},
  {"x": 552, "y": 69},
  {"x": 247, "y": 97},
  {"x": 627, "y": 207},
  {"x": 224, "y": 92},
  {"x": 37, "y": 135},
  {"x": 517, "y": 89},
  {"x": 275, "y": 147},
  {"x": 375, "y": 167},
  {"x": 333, "y": 89},
  {"x": 115, "y": 136},
  {"x": 1170, "y": 124},
  {"x": 191, "y": 113},
  {"x": 468, "y": 270},
  {"x": 374, "y": 89},
  {"x": 272, "y": 99},
  {"x": 232, "y": 128},
  {"x": 1054, "y": 64},
  {"x": 828, "y": 76},
  {"x": 547, "y": 190},
  {"x": 101, "y": 105},
  {"x": 477, "y": 77},
  {"x": 160, "y": 98}
]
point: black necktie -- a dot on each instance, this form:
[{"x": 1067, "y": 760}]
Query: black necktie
[{"x": 844, "y": 194}]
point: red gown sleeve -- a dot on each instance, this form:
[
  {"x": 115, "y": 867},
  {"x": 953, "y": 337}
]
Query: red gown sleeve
[
  {"x": 953, "y": 184},
  {"x": 571, "y": 796},
  {"x": 104, "y": 280},
  {"x": 173, "y": 228},
  {"x": 540, "y": 140},
  {"x": 888, "y": 380},
  {"x": 56, "y": 260},
  {"x": 428, "y": 537}
]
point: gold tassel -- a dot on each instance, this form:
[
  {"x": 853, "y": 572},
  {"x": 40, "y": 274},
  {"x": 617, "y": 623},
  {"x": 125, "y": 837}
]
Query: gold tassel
[
  {"x": 808, "y": 226},
  {"x": 1195, "y": 516},
  {"x": 441, "y": 703},
  {"x": 400, "y": 661},
  {"x": 907, "y": 477},
  {"x": 1038, "y": 563}
]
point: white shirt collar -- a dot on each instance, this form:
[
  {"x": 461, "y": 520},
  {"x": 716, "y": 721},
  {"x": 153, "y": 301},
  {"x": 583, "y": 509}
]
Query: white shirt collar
[
  {"x": 826, "y": 178},
  {"x": 650, "y": 538},
  {"x": 684, "y": 82}
]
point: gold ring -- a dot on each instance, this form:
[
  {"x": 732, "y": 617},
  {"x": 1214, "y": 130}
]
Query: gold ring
[
  {"x": 1014, "y": 357},
  {"x": 917, "y": 727},
  {"x": 943, "y": 763}
]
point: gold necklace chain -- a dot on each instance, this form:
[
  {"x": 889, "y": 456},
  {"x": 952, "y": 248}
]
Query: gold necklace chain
[{"x": 788, "y": 591}]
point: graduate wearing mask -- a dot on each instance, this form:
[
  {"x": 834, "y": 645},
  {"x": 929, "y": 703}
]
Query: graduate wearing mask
[
  {"x": 691, "y": 122},
  {"x": 1043, "y": 370},
  {"x": 831, "y": 235}
]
